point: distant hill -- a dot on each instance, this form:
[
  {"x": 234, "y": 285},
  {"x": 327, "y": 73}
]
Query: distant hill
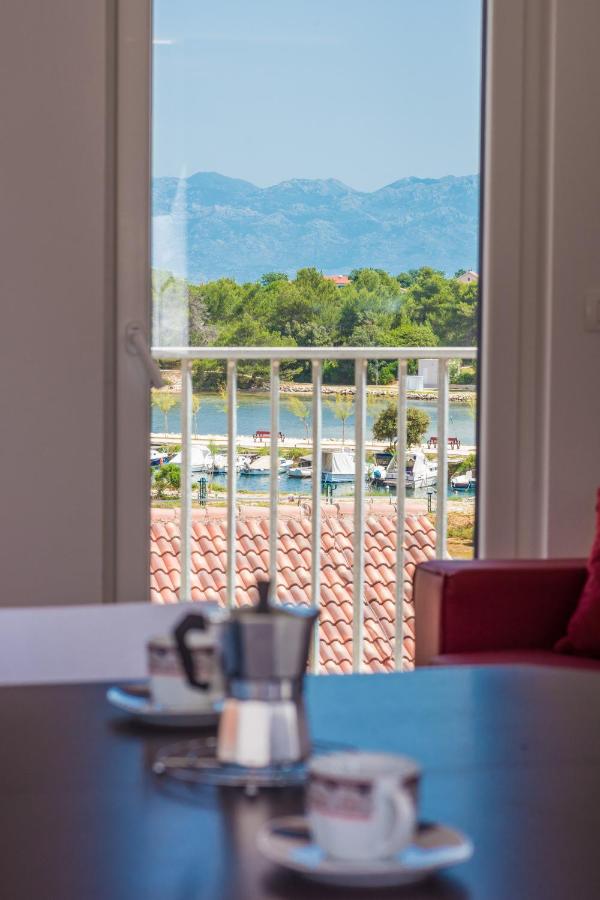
[{"x": 210, "y": 226}]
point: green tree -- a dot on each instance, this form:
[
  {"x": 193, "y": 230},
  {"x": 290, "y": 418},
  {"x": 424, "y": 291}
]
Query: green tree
[
  {"x": 270, "y": 278},
  {"x": 385, "y": 425},
  {"x": 342, "y": 408}
]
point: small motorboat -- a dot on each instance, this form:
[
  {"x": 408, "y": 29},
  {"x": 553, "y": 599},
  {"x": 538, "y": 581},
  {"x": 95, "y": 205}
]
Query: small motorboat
[
  {"x": 158, "y": 458},
  {"x": 261, "y": 465},
  {"x": 303, "y": 469},
  {"x": 201, "y": 458},
  {"x": 418, "y": 471},
  {"x": 221, "y": 466},
  {"x": 464, "y": 482}
]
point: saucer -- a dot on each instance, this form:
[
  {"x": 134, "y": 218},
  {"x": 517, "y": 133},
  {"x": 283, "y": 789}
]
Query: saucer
[
  {"x": 137, "y": 702},
  {"x": 288, "y": 843}
]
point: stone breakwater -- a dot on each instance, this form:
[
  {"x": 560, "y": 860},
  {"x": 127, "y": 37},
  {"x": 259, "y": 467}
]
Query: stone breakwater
[
  {"x": 172, "y": 378},
  {"x": 391, "y": 391}
]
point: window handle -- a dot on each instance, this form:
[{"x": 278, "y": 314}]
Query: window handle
[{"x": 137, "y": 343}]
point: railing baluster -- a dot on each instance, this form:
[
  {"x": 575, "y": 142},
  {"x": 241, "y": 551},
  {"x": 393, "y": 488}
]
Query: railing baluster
[
  {"x": 441, "y": 517},
  {"x": 274, "y": 479},
  {"x": 315, "y": 559},
  {"x": 359, "y": 514},
  {"x": 231, "y": 478},
  {"x": 400, "y": 512},
  {"x": 185, "y": 480}
]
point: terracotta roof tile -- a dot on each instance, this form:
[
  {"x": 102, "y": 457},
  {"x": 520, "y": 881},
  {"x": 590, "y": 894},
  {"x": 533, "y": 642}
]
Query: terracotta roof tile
[{"x": 209, "y": 554}]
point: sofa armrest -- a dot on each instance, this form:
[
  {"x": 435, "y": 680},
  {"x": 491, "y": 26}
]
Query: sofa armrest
[{"x": 481, "y": 605}]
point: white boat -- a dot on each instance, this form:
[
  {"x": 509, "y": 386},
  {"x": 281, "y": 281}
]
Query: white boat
[
  {"x": 303, "y": 469},
  {"x": 261, "y": 465},
  {"x": 337, "y": 466},
  {"x": 202, "y": 458},
  {"x": 220, "y": 464},
  {"x": 418, "y": 472},
  {"x": 464, "y": 482}
]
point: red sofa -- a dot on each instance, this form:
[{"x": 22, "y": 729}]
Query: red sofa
[{"x": 490, "y": 612}]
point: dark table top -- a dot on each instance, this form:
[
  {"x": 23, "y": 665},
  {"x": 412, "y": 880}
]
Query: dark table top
[{"x": 512, "y": 757}]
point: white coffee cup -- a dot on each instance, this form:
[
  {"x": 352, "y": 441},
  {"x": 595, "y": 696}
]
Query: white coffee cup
[
  {"x": 168, "y": 683},
  {"x": 362, "y": 806}
]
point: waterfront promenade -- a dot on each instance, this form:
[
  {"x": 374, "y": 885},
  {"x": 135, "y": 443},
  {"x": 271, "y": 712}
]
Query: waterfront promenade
[{"x": 247, "y": 441}]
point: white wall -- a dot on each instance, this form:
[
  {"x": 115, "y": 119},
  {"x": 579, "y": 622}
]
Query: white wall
[
  {"x": 56, "y": 271},
  {"x": 54, "y": 285}
]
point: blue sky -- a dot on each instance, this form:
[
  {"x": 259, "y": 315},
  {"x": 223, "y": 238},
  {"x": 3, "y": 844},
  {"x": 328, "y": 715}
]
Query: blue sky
[{"x": 367, "y": 91}]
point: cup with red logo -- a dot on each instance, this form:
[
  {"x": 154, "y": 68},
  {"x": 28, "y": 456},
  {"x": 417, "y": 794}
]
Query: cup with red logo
[{"x": 362, "y": 806}]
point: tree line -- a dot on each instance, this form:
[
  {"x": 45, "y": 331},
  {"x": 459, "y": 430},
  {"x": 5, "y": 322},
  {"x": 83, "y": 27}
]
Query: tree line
[{"x": 421, "y": 307}]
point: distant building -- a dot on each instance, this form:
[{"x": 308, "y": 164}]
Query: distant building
[
  {"x": 468, "y": 277},
  {"x": 338, "y": 280},
  {"x": 428, "y": 370}
]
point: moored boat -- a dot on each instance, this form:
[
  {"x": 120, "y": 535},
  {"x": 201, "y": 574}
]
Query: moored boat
[
  {"x": 261, "y": 465},
  {"x": 201, "y": 458},
  {"x": 158, "y": 457},
  {"x": 337, "y": 466},
  {"x": 303, "y": 469},
  {"x": 466, "y": 481},
  {"x": 418, "y": 471}
]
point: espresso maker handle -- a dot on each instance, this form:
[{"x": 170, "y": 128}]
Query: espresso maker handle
[{"x": 192, "y": 622}]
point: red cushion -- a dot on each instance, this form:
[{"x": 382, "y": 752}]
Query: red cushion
[
  {"x": 583, "y": 632},
  {"x": 515, "y": 658}
]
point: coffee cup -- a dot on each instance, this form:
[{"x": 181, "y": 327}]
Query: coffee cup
[
  {"x": 169, "y": 685},
  {"x": 362, "y": 806}
]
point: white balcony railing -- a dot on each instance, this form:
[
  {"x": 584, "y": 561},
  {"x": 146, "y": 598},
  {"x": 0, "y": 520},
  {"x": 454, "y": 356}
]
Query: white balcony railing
[{"x": 317, "y": 355}]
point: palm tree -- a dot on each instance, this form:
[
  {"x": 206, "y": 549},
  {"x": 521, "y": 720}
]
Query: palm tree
[
  {"x": 301, "y": 411},
  {"x": 342, "y": 408},
  {"x": 196, "y": 403},
  {"x": 164, "y": 401}
]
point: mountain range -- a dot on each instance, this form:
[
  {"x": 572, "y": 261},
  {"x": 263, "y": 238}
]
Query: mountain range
[{"x": 211, "y": 226}]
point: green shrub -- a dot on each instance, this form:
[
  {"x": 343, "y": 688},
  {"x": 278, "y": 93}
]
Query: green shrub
[
  {"x": 168, "y": 477},
  {"x": 466, "y": 376}
]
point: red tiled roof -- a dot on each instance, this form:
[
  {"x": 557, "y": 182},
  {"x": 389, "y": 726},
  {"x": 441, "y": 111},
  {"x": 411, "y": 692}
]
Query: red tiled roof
[
  {"x": 293, "y": 559},
  {"x": 338, "y": 280}
]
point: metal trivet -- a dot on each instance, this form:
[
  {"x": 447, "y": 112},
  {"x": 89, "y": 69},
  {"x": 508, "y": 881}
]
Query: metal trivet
[{"x": 195, "y": 762}]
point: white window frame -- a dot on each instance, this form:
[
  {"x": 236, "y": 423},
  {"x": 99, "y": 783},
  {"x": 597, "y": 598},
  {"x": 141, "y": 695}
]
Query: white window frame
[
  {"x": 131, "y": 483},
  {"x": 513, "y": 488},
  {"x": 513, "y": 492}
]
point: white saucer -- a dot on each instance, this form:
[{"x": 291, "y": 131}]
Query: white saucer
[
  {"x": 287, "y": 842},
  {"x": 137, "y": 702}
]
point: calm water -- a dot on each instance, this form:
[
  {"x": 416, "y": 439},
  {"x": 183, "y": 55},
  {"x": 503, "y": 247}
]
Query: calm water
[
  {"x": 260, "y": 484},
  {"x": 254, "y": 414}
]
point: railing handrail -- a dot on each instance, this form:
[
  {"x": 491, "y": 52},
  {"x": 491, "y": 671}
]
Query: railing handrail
[{"x": 311, "y": 353}]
